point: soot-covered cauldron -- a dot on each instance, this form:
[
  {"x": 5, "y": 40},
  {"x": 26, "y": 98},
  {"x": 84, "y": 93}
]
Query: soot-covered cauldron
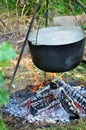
[{"x": 57, "y": 49}]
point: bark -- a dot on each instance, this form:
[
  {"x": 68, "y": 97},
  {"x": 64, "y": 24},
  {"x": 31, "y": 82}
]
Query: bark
[{"x": 69, "y": 20}]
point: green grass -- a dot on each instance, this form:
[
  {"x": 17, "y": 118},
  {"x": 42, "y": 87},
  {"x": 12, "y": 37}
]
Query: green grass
[{"x": 76, "y": 125}]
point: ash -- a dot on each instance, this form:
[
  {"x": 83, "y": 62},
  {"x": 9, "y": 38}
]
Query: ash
[{"x": 56, "y": 101}]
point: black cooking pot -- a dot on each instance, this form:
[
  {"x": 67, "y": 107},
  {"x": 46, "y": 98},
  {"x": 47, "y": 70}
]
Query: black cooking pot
[{"x": 57, "y": 49}]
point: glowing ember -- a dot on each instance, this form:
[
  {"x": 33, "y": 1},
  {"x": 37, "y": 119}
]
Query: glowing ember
[{"x": 78, "y": 107}]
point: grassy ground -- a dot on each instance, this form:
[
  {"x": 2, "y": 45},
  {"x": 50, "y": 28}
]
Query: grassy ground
[{"x": 77, "y": 125}]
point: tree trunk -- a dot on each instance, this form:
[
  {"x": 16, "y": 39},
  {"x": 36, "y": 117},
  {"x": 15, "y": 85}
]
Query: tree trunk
[{"x": 69, "y": 20}]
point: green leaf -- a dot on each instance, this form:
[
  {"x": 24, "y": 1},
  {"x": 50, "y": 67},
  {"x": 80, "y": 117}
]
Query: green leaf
[
  {"x": 1, "y": 79},
  {"x": 1, "y": 74},
  {"x": 81, "y": 68},
  {"x": 2, "y": 125},
  {"x": 3, "y": 96},
  {"x": 5, "y": 63},
  {"x": 6, "y": 52}
]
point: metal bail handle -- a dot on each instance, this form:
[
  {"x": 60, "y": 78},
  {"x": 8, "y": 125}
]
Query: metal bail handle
[{"x": 46, "y": 22}]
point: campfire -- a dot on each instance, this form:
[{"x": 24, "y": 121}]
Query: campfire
[{"x": 50, "y": 102}]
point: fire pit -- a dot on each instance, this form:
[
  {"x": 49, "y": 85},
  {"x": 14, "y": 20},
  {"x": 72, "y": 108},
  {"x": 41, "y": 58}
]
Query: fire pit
[{"x": 56, "y": 101}]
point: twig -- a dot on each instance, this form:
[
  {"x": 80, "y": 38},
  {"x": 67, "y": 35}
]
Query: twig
[
  {"x": 4, "y": 24},
  {"x": 17, "y": 2},
  {"x": 7, "y": 33},
  {"x": 82, "y": 5}
]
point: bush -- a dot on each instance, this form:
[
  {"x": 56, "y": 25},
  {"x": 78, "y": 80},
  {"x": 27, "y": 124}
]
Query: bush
[
  {"x": 26, "y": 7},
  {"x": 6, "y": 54}
]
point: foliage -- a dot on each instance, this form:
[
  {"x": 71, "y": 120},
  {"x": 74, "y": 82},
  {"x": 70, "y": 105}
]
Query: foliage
[
  {"x": 6, "y": 54},
  {"x": 26, "y": 7},
  {"x": 2, "y": 125},
  {"x": 21, "y": 11},
  {"x": 79, "y": 74},
  {"x": 77, "y": 125}
]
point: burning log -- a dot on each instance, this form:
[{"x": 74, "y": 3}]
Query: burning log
[
  {"x": 68, "y": 105},
  {"x": 45, "y": 91},
  {"x": 40, "y": 102},
  {"x": 75, "y": 95},
  {"x": 55, "y": 99},
  {"x": 43, "y": 104}
]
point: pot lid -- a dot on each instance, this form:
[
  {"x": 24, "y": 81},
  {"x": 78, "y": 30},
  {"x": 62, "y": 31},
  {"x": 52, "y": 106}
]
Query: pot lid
[{"x": 56, "y": 35}]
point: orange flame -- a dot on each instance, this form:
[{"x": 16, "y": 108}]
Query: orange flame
[
  {"x": 36, "y": 87},
  {"x": 52, "y": 75},
  {"x": 26, "y": 62}
]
